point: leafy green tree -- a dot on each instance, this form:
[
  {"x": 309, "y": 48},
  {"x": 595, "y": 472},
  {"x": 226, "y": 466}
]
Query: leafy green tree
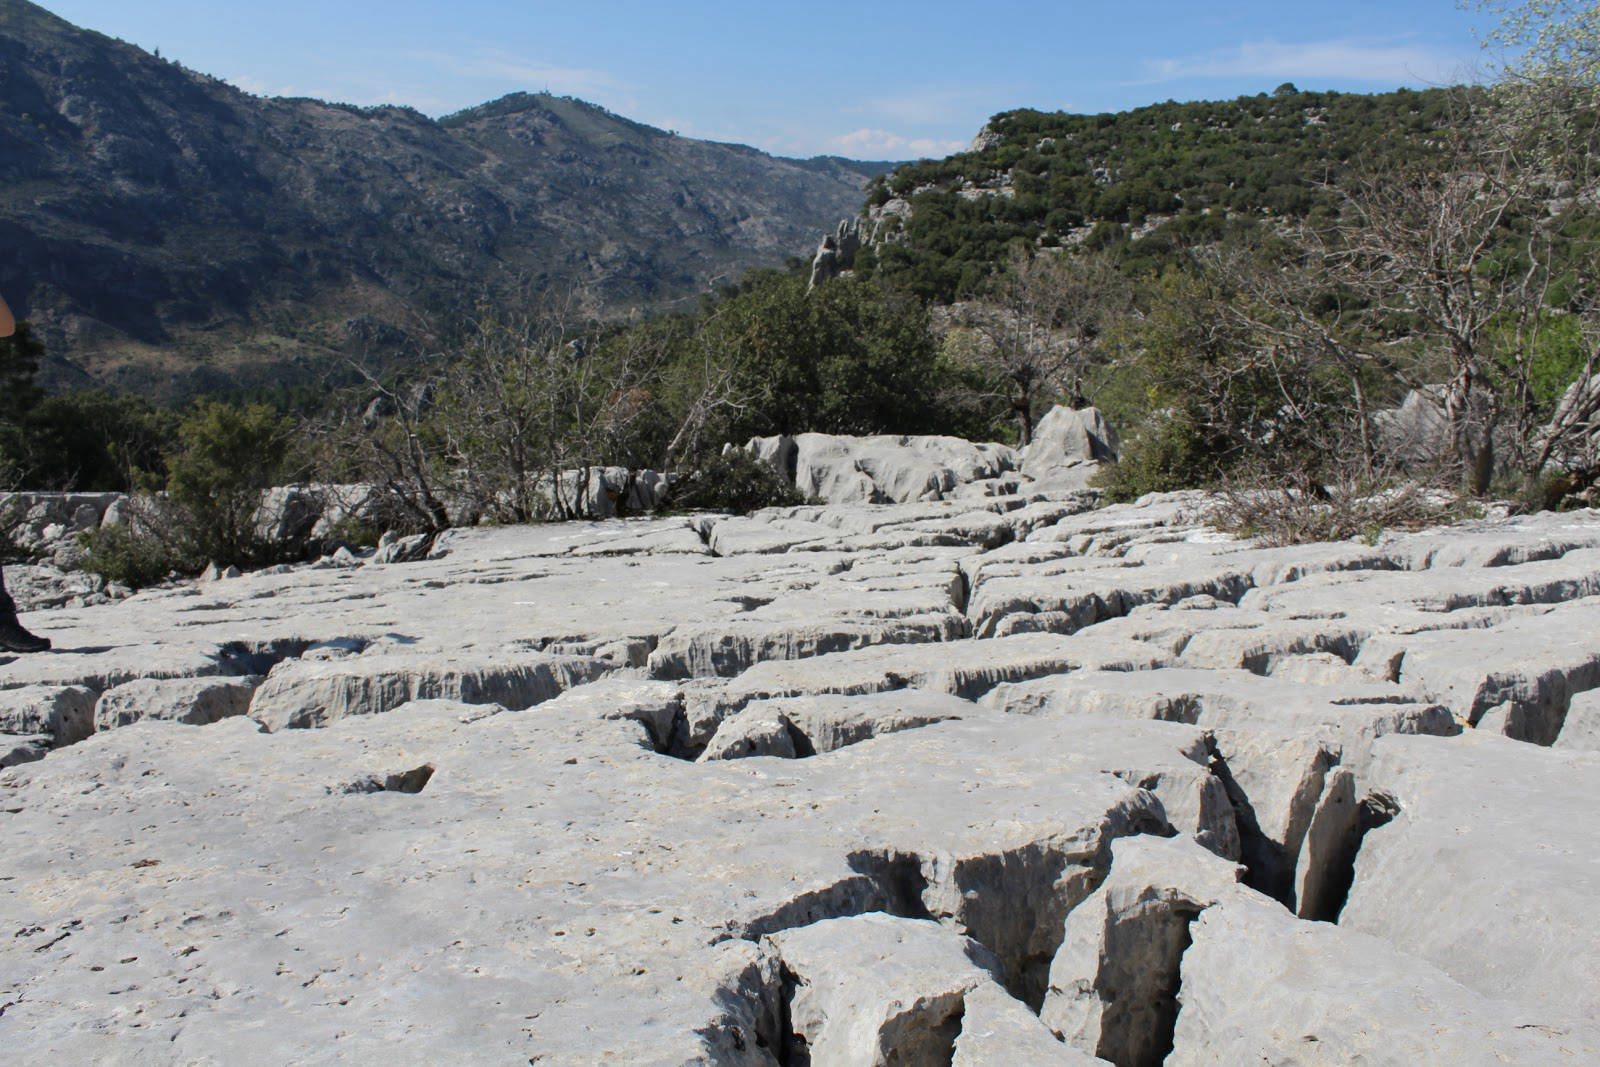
[
  {"x": 226, "y": 458},
  {"x": 95, "y": 441},
  {"x": 19, "y": 397}
]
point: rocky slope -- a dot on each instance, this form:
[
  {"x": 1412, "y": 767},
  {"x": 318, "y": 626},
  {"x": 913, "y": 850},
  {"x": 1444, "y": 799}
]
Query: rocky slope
[
  {"x": 171, "y": 233},
  {"x": 992, "y": 778}
]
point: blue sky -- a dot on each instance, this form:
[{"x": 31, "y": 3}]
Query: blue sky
[{"x": 886, "y": 80}]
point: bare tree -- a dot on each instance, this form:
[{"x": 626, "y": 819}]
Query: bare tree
[
  {"x": 1039, "y": 328},
  {"x": 713, "y": 396},
  {"x": 1291, "y": 314},
  {"x": 1424, "y": 248},
  {"x": 393, "y": 445}
]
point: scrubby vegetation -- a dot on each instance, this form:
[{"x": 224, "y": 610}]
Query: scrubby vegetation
[{"x": 1244, "y": 287}]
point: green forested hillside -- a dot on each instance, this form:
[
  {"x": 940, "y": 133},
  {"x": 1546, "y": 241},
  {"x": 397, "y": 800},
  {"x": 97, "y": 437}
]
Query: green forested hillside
[{"x": 1044, "y": 176}]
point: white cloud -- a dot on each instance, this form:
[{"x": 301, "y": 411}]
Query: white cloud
[
  {"x": 882, "y": 144},
  {"x": 1390, "y": 62}
]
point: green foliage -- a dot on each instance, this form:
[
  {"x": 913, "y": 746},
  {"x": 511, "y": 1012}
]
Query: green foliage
[
  {"x": 94, "y": 441},
  {"x": 225, "y": 458},
  {"x": 1168, "y": 450},
  {"x": 353, "y": 531},
  {"x": 133, "y": 555},
  {"x": 848, "y": 357},
  {"x": 733, "y": 481},
  {"x": 1215, "y": 160}
]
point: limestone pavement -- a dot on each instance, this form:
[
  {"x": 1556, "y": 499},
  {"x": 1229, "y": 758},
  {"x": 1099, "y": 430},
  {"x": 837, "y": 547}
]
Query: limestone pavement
[{"x": 991, "y": 777}]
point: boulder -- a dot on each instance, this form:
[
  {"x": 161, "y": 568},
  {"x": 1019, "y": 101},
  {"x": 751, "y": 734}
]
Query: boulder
[
  {"x": 1415, "y": 435},
  {"x": 882, "y": 469},
  {"x": 1066, "y": 438}
]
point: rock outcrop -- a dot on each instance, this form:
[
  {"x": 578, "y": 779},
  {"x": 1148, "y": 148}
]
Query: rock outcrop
[
  {"x": 837, "y": 252},
  {"x": 979, "y": 776},
  {"x": 1069, "y": 446}
]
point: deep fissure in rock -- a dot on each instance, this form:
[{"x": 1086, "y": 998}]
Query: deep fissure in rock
[
  {"x": 1376, "y": 809},
  {"x": 251, "y": 657},
  {"x": 1261, "y": 856},
  {"x": 1140, "y": 1018}
]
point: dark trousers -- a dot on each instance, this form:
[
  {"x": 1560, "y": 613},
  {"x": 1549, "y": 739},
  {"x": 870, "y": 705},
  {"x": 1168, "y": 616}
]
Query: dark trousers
[{"x": 8, "y": 607}]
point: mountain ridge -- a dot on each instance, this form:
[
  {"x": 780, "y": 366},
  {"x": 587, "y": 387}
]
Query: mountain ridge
[{"x": 174, "y": 234}]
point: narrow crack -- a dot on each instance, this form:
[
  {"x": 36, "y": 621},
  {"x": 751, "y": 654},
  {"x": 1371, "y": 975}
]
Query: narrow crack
[{"x": 1376, "y": 809}]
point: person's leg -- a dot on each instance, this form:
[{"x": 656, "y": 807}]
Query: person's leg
[{"x": 13, "y": 638}]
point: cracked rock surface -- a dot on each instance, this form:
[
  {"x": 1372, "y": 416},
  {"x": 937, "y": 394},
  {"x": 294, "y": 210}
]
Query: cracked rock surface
[{"x": 983, "y": 777}]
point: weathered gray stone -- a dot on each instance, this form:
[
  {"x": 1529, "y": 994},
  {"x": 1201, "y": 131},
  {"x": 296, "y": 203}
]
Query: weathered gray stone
[
  {"x": 1528, "y": 666},
  {"x": 1114, "y": 983},
  {"x": 1228, "y": 699},
  {"x": 196, "y": 701},
  {"x": 793, "y": 727},
  {"x": 1581, "y": 727},
  {"x": 1512, "y": 822},
  {"x": 65, "y": 714},
  {"x": 884, "y": 469},
  {"x": 23, "y": 748},
  {"x": 731, "y": 647},
  {"x": 996, "y": 1028},
  {"x": 304, "y": 694},
  {"x": 565, "y": 882},
  {"x": 1067, "y": 438},
  {"x": 878, "y": 990},
  {"x": 519, "y": 882},
  {"x": 1259, "y": 985}
]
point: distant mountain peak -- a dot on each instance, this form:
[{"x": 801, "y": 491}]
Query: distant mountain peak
[{"x": 169, "y": 232}]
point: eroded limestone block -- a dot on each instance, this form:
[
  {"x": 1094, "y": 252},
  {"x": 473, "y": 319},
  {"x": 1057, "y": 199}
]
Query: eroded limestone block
[
  {"x": 876, "y": 989},
  {"x": 1258, "y": 985},
  {"x": 301, "y": 694},
  {"x": 792, "y": 727},
  {"x": 1488, "y": 870},
  {"x": 1114, "y": 983},
  {"x": 196, "y": 701},
  {"x": 65, "y": 713}
]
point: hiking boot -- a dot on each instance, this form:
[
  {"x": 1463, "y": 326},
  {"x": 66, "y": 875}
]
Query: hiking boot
[{"x": 13, "y": 638}]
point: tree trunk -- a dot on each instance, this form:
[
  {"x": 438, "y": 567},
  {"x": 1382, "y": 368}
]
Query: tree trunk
[{"x": 1024, "y": 412}]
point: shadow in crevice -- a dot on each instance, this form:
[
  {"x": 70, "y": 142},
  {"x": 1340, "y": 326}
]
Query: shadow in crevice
[
  {"x": 412, "y": 781},
  {"x": 1376, "y": 809},
  {"x": 1261, "y": 856}
]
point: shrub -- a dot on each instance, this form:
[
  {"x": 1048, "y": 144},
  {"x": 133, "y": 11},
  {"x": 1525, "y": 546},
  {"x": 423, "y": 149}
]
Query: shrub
[
  {"x": 133, "y": 554},
  {"x": 1167, "y": 451},
  {"x": 226, "y": 458},
  {"x": 734, "y": 481},
  {"x": 1280, "y": 508}
]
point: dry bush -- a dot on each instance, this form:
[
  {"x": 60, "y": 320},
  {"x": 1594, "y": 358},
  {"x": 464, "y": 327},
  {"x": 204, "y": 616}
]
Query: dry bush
[{"x": 1294, "y": 508}]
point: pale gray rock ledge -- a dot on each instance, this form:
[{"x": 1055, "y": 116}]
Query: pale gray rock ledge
[{"x": 982, "y": 777}]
